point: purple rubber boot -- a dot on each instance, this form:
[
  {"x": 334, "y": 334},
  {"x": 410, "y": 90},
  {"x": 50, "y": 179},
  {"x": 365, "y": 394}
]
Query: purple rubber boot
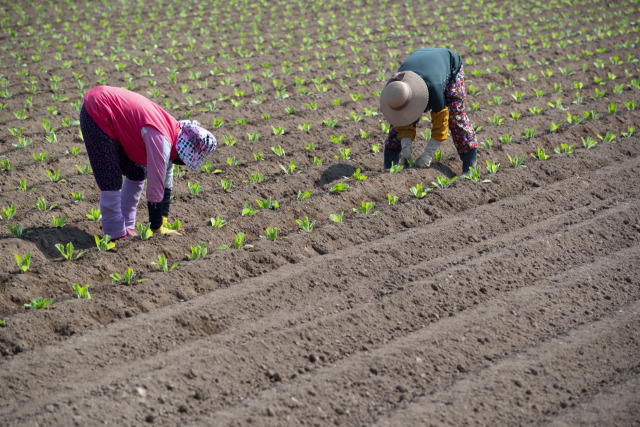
[
  {"x": 112, "y": 219},
  {"x": 130, "y": 196}
]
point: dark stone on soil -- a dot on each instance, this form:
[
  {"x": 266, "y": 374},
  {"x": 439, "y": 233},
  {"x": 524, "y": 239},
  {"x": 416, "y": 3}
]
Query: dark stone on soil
[{"x": 374, "y": 371}]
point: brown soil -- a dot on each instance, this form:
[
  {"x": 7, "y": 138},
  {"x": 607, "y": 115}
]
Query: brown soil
[{"x": 511, "y": 302}]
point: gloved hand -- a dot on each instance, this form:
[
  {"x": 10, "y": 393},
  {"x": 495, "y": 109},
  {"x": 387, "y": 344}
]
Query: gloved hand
[
  {"x": 424, "y": 161},
  {"x": 405, "y": 154},
  {"x": 164, "y": 230}
]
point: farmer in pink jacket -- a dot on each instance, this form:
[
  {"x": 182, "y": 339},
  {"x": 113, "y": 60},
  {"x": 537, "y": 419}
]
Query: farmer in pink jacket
[{"x": 127, "y": 134}]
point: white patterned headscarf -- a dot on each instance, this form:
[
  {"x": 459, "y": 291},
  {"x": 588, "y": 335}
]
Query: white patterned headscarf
[{"x": 194, "y": 143}]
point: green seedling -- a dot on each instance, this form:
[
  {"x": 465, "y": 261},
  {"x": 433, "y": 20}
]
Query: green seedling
[
  {"x": 629, "y": 132},
  {"x": 253, "y": 136},
  {"x": 277, "y": 130},
  {"x": 345, "y": 153},
  {"x": 126, "y": 278},
  {"x": 255, "y": 178},
  {"x": 218, "y": 222},
  {"x": 82, "y": 291},
  {"x": 492, "y": 167},
  {"x": 177, "y": 172},
  {"x": 272, "y": 234},
  {"x": 317, "y": 161},
  {"x": 175, "y": 225},
  {"x": 555, "y": 125},
  {"x": 197, "y": 251},
  {"x": 104, "y": 243},
  {"x": 303, "y": 195},
  {"x": 609, "y": 137},
  {"x": 310, "y": 146},
  {"x": 39, "y": 303},
  {"x": 194, "y": 188},
  {"x": 54, "y": 176},
  {"x": 289, "y": 168},
  {"x": 375, "y": 148},
  {"x": 67, "y": 251},
  {"x": 540, "y": 154},
  {"x": 58, "y": 222},
  {"x": 631, "y": 105},
  {"x": 591, "y": 115},
  {"x": 5, "y": 165},
  {"x": 588, "y": 142},
  {"x": 357, "y": 176},
  {"x": 506, "y": 139},
  {"x": 612, "y": 108},
  {"x": 443, "y": 182},
  {"x": 305, "y": 224},
  {"x": 238, "y": 242},
  {"x": 8, "y": 212},
  {"x": 78, "y": 197},
  {"x": 337, "y": 188},
  {"x": 144, "y": 231},
  {"x": 336, "y": 217},
  {"x": 364, "y": 134},
  {"x": 396, "y": 168},
  {"x": 564, "y": 149},
  {"x": 517, "y": 162},
  {"x": 84, "y": 170},
  {"x": 226, "y": 183},
  {"x": 95, "y": 214},
  {"x": 232, "y": 161},
  {"x": 392, "y": 199},
  {"x": 437, "y": 156},
  {"x": 268, "y": 204},
  {"x": 163, "y": 265},
  {"x": 41, "y": 158},
  {"x": 419, "y": 191},
  {"x": 474, "y": 174},
  {"x": 366, "y": 208},
  {"x": 337, "y": 139},
  {"x": 279, "y": 151},
  {"x": 529, "y": 132},
  {"x": 24, "y": 262},
  {"x": 15, "y": 231},
  {"x": 258, "y": 156},
  {"x": 247, "y": 210},
  {"x": 41, "y": 204}
]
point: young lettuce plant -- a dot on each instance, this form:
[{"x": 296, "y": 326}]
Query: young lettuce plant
[
  {"x": 15, "y": 231},
  {"x": 443, "y": 182},
  {"x": 474, "y": 175},
  {"x": 541, "y": 154},
  {"x": 24, "y": 262},
  {"x": 248, "y": 210},
  {"x": 197, "y": 251},
  {"x": 564, "y": 149},
  {"x": 104, "y": 243},
  {"x": 517, "y": 162},
  {"x": 419, "y": 191},
  {"x": 144, "y": 231},
  {"x": 126, "y": 278},
  {"x": 588, "y": 142},
  {"x": 492, "y": 167},
  {"x": 337, "y": 188},
  {"x": 396, "y": 168},
  {"x": 82, "y": 291},
  {"x": 305, "y": 224},
  {"x": 95, "y": 215},
  {"x": 58, "y": 222},
  {"x": 67, "y": 251},
  {"x": 163, "y": 265},
  {"x": 238, "y": 242},
  {"x": 8, "y": 212},
  {"x": 39, "y": 303},
  {"x": 366, "y": 208},
  {"x": 357, "y": 176},
  {"x": 272, "y": 234},
  {"x": 392, "y": 199},
  {"x": 218, "y": 222},
  {"x": 336, "y": 217},
  {"x": 303, "y": 195},
  {"x": 268, "y": 204}
]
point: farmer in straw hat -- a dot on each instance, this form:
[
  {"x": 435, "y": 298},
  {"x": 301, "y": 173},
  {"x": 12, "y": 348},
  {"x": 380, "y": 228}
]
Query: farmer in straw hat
[
  {"x": 127, "y": 134},
  {"x": 429, "y": 79}
]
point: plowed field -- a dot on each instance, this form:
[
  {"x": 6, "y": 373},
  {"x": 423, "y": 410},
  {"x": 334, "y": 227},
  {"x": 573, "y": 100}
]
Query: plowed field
[{"x": 509, "y": 302}]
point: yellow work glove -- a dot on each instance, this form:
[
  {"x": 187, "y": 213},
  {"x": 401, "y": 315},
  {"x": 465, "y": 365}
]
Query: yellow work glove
[{"x": 164, "y": 230}]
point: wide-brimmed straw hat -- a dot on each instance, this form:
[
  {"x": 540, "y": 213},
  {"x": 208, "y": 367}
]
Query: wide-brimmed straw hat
[
  {"x": 194, "y": 143},
  {"x": 404, "y": 98}
]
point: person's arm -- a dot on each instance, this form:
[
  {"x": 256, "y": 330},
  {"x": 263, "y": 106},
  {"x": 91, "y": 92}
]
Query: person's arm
[
  {"x": 440, "y": 125},
  {"x": 159, "y": 174}
]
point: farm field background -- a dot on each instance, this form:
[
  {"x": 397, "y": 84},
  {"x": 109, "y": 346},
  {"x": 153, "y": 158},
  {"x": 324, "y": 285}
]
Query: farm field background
[{"x": 514, "y": 301}]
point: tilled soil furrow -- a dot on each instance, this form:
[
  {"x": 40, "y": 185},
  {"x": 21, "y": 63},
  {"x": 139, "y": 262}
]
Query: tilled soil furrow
[
  {"x": 440, "y": 207},
  {"x": 328, "y": 346},
  {"x": 454, "y": 355},
  {"x": 541, "y": 382},
  {"x": 613, "y": 405}
]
